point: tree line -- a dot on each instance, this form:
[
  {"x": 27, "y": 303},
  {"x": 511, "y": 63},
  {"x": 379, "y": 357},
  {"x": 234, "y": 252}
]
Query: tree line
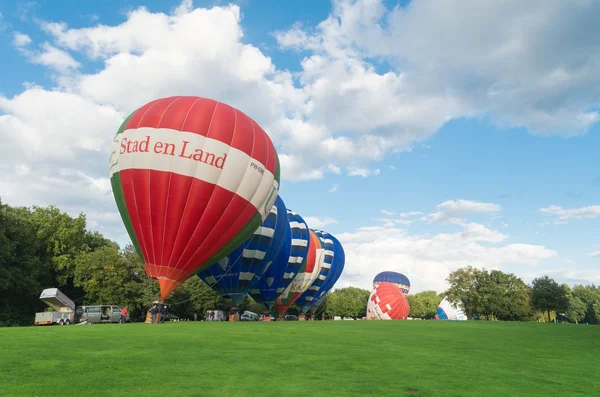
[
  {"x": 495, "y": 295},
  {"x": 43, "y": 247}
]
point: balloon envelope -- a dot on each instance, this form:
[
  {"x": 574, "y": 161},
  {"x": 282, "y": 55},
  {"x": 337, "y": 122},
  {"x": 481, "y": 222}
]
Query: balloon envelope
[
  {"x": 339, "y": 259},
  {"x": 309, "y": 297},
  {"x": 395, "y": 278},
  {"x": 234, "y": 275},
  {"x": 304, "y": 275},
  {"x": 193, "y": 178},
  {"x": 387, "y": 302},
  {"x": 277, "y": 276},
  {"x": 448, "y": 311}
]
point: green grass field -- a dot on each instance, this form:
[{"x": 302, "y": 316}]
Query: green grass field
[{"x": 332, "y": 358}]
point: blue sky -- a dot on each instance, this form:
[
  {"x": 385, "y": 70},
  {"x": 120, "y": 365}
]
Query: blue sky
[{"x": 458, "y": 106}]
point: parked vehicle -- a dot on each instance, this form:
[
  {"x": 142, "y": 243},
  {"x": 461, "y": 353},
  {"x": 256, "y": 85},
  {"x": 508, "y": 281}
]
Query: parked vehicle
[
  {"x": 291, "y": 317},
  {"x": 215, "y": 315},
  {"x": 95, "y": 314},
  {"x": 65, "y": 312},
  {"x": 249, "y": 316},
  {"x": 64, "y": 308}
]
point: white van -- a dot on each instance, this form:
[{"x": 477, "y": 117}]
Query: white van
[{"x": 249, "y": 316}]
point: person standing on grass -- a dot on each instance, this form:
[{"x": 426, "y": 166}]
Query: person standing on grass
[
  {"x": 164, "y": 313},
  {"x": 123, "y": 318},
  {"x": 153, "y": 312}
]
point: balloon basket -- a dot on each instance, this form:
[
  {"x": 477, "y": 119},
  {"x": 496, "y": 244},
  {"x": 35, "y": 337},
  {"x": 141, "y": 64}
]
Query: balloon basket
[
  {"x": 266, "y": 318},
  {"x": 280, "y": 318},
  {"x": 301, "y": 317},
  {"x": 149, "y": 318},
  {"x": 234, "y": 317}
]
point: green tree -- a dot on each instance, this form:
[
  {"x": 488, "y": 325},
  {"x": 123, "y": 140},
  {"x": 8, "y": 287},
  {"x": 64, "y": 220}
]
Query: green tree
[
  {"x": 464, "y": 288},
  {"x": 423, "y": 304},
  {"x": 349, "y": 301},
  {"x": 22, "y": 272},
  {"x": 548, "y": 295},
  {"x": 576, "y": 309},
  {"x": 590, "y": 295},
  {"x": 64, "y": 238}
]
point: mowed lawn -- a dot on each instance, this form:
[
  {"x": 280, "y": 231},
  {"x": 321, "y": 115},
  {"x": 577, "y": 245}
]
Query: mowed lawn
[{"x": 331, "y": 358}]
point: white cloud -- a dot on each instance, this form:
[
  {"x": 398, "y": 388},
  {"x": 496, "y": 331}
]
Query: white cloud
[
  {"x": 314, "y": 222},
  {"x": 334, "y": 188},
  {"x": 563, "y": 215},
  {"x": 21, "y": 39},
  {"x": 522, "y": 63},
  {"x": 386, "y": 212},
  {"x": 410, "y": 214},
  {"x": 450, "y": 211},
  {"x": 595, "y": 254},
  {"x": 55, "y": 58},
  {"x": 362, "y": 172},
  {"x": 568, "y": 275},
  {"x": 531, "y": 63},
  {"x": 427, "y": 260}
]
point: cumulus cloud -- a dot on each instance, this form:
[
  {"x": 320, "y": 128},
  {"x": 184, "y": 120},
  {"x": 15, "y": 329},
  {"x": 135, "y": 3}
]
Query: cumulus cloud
[
  {"x": 450, "y": 211},
  {"x": 55, "y": 58},
  {"x": 567, "y": 275},
  {"x": 334, "y": 188},
  {"x": 562, "y": 215},
  {"x": 527, "y": 64},
  {"x": 595, "y": 254},
  {"x": 374, "y": 80},
  {"x": 429, "y": 259},
  {"x": 21, "y": 39},
  {"x": 314, "y": 222}
]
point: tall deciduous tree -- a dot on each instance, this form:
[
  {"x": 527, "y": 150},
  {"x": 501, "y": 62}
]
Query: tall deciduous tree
[
  {"x": 576, "y": 309},
  {"x": 548, "y": 295},
  {"x": 464, "y": 288}
]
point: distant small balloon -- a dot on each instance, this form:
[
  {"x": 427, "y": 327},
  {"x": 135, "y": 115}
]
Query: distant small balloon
[
  {"x": 387, "y": 302},
  {"x": 448, "y": 311},
  {"x": 395, "y": 278}
]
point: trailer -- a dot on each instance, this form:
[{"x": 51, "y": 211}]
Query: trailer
[{"x": 64, "y": 308}]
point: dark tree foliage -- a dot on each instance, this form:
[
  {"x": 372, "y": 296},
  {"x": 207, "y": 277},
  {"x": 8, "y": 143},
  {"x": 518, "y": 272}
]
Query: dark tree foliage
[{"x": 548, "y": 295}]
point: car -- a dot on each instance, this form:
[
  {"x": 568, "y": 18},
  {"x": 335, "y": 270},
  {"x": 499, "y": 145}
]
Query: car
[
  {"x": 348, "y": 318},
  {"x": 291, "y": 317},
  {"x": 95, "y": 314}
]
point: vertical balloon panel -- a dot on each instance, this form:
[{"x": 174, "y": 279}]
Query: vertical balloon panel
[
  {"x": 305, "y": 276},
  {"x": 233, "y": 276},
  {"x": 308, "y": 298},
  {"x": 337, "y": 267},
  {"x": 281, "y": 272}
]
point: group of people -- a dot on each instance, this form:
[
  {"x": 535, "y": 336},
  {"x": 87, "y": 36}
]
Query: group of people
[{"x": 154, "y": 310}]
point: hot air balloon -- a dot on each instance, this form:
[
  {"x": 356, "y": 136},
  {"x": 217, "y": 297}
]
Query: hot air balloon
[
  {"x": 337, "y": 267},
  {"x": 234, "y": 275},
  {"x": 395, "y": 278},
  {"x": 193, "y": 178},
  {"x": 448, "y": 311},
  {"x": 309, "y": 297},
  {"x": 304, "y": 276},
  {"x": 387, "y": 302},
  {"x": 279, "y": 274}
]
